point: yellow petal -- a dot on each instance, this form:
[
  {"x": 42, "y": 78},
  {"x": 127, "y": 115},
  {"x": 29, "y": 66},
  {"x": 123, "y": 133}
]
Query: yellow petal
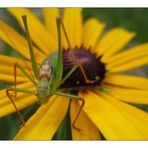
[
  {"x": 131, "y": 65},
  {"x": 136, "y": 116},
  {"x": 127, "y": 56},
  {"x": 21, "y": 104},
  {"x": 88, "y": 131},
  {"x": 10, "y": 71},
  {"x": 3, "y": 94},
  {"x": 6, "y": 103},
  {"x": 7, "y": 67},
  {"x": 91, "y": 32},
  {"x": 109, "y": 120},
  {"x": 23, "y": 100},
  {"x": 10, "y": 78},
  {"x": 10, "y": 61},
  {"x": 22, "y": 86},
  {"x": 15, "y": 40},
  {"x": 50, "y": 15},
  {"x": 38, "y": 32},
  {"x": 73, "y": 23},
  {"x": 127, "y": 81},
  {"x": 44, "y": 123},
  {"x": 113, "y": 41},
  {"x": 128, "y": 95}
]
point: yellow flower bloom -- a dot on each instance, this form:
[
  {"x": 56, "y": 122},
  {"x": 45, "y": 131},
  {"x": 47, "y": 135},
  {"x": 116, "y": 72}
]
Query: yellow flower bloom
[{"x": 105, "y": 112}]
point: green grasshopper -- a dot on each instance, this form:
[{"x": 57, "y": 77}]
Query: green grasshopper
[{"x": 50, "y": 76}]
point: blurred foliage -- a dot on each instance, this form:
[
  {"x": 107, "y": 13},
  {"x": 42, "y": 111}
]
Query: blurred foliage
[{"x": 131, "y": 19}]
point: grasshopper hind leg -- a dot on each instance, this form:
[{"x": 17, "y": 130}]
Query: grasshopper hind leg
[
  {"x": 13, "y": 97},
  {"x": 10, "y": 96},
  {"x": 78, "y": 114},
  {"x": 73, "y": 97}
]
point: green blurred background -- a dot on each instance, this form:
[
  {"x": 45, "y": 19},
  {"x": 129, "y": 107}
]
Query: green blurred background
[{"x": 132, "y": 19}]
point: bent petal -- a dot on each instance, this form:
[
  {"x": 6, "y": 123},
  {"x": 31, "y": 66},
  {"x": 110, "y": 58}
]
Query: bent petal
[
  {"x": 113, "y": 41},
  {"x": 72, "y": 19},
  {"x": 128, "y": 95},
  {"x": 127, "y": 81},
  {"x": 38, "y": 32},
  {"x": 109, "y": 120},
  {"x": 44, "y": 123},
  {"x": 136, "y": 116},
  {"x": 91, "y": 32},
  {"x": 88, "y": 131}
]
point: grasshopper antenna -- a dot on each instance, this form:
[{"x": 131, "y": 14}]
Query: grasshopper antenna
[
  {"x": 25, "y": 62},
  {"x": 33, "y": 62},
  {"x": 16, "y": 65}
]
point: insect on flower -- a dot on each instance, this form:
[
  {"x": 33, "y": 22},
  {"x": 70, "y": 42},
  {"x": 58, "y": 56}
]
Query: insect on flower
[
  {"x": 49, "y": 78},
  {"x": 93, "y": 67}
]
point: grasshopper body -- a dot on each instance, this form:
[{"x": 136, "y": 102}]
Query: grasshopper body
[{"x": 48, "y": 78}]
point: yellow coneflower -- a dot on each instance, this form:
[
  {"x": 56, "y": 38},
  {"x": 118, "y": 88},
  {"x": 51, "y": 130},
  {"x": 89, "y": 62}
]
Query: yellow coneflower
[{"x": 107, "y": 110}]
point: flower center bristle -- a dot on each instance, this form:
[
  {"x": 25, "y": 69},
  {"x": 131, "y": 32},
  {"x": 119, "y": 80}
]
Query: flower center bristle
[{"x": 93, "y": 67}]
